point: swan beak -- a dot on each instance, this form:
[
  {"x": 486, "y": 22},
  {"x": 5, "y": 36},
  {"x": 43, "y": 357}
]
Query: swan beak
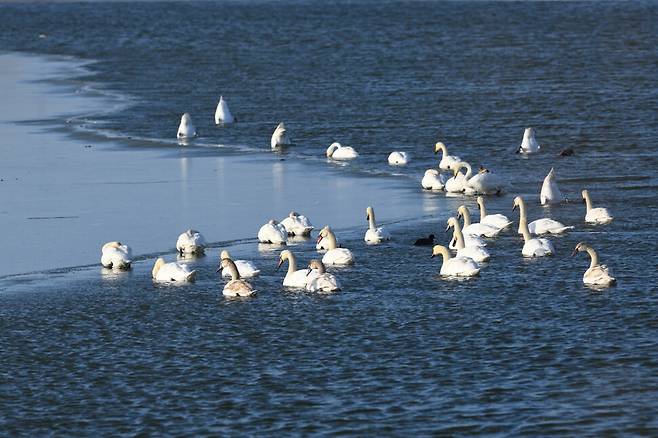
[
  {"x": 432, "y": 256},
  {"x": 514, "y": 207},
  {"x": 219, "y": 268},
  {"x": 309, "y": 271},
  {"x": 278, "y": 265},
  {"x": 319, "y": 238},
  {"x": 575, "y": 251},
  {"x": 447, "y": 228}
]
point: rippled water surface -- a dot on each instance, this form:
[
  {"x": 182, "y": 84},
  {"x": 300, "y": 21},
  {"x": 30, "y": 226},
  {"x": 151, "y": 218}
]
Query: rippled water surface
[{"x": 525, "y": 349}]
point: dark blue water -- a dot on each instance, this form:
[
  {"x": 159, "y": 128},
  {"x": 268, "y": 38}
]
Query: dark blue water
[{"x": 525, "y": 349}]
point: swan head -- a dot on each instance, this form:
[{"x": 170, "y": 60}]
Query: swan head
[
  {"x": 462, "y": 211},
  {"x": 316, "y": 264},
  {"x": 224, "y": 255},
  {"x": 518, "y": 202},
  {"x": 432, "y": 172},
  {"x": 324, "y": 232},
  {"x": 156, "y": 267},
  {"x": 186, "y": 119},
  {"x": 580, "y": 247},
  {"x": 585, "y": 195},
  {"x": 440, "y": 250},
  {"x": 112, "y": 245},
  {"x": 480, "y": 202},
  {"x": 230, "y": 266},
  {"x": 458, "y": 166},
  {"x": 332, "y": 148},
  {"x": 272, "y": 222},
  {"x": 285, "y": 255},
  {"x": 440, "y": 147},
  {"x": 483, "y": 169},
  {"x": 293, "y": 214},
  {"x": 452, "y": 222},
  {"x": 369, "y": 213}
]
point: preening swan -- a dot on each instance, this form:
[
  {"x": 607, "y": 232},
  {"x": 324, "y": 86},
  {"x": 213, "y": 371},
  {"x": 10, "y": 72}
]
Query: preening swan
[
  {"x": 477, "y": 229},
  {"x": 338, "y": 152},
  {"x": 115, "y": 255},
  {"x": 485, "y": 182},
  {"x": 245, "y": 268},
  {"x": 280, "y": 137},
  {"x": 191, "y": 242},
  {"x": 171, "y": 272},
  {"x": 529, "y": 144},
  {"x": 433, "y": 180},
  {"x": 374, "y": 234},
  {"x": 446, "y": 160},
  {"x": 458, "y": 182},
  {"x": 297, "y": 224},
  {"x": 539, "y": 226},
  {"x": 272, "y": 232},
  {"x": 186, "y": 128},
  {"x": 596, "y": 275},
  {"x": 222, "y": 113},
  {"x": 457, "y": 266},
  {"x": 477, "y": 253},
  {"x": 236, "y": 287},
  {"x": 323, "y": 281},
  {"x": 495, "y": 220},
  {"x": 550, "y": 193},
  {"x": 597, "y": 215},
  {"x": 398, "y": 158},
  {"x": 334, "y": 255},
  {"x": 294, "y": 277},
  {"x": 532, "y": 247}
]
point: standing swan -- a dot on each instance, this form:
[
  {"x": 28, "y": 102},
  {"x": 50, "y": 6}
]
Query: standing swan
[
  {"x": 171, "y": 272},
  {"x": 533, "y": 247},
  {"x": 529, "y": 144},
  {"x": 539, "y": 226},
  {"x": 495, "y": 220},
  {"x": 478, "y": 229},
  {"x": 477, "y": 253},
  {"x": 398, "y": 158},
  {"x": 114, "y": 255},
  {"x": 457, "y": 266},
  {"x": 374, "y": 234},
  {"x": 186, "y": 128},
  {"x": 597, "y": 215},
  {"x": 596, "y": 275},
  {"x": 323, "y": 281},
  {"x": 272, "y": 232},
  {"x": 280, "y": 137},
  {"x": 334, "y": 255},
  {"x": 446, "y": 160},
  {"x": 336, "y": 151},
  {"x": 236, "y": 287},
  {"x": 294, "y": 277},
  {"x": 550, "y": 193},
  {"x": 245, "y": 268},
  {"x": 222, "y": 113},
  {"x": 191, "y": 242}
]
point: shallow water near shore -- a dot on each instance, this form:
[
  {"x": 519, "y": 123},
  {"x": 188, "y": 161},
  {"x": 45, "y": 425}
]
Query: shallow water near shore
[{"x": 524, "y": 349}]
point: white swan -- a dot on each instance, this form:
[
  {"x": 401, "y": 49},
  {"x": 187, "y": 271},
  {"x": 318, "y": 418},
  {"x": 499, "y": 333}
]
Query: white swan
[
  {"x": 446, "y": 160},
  {"x": 222, "y": 113},
  {"x": 596, "y": 275},
  {"x": 455, "y": 266},
  {"x": 334, "y": 255},
  {"x": 280, "y": 137},
  {"x": 171, "y": 272},
  {"x": 550, "y": 193},
  {"x": 497, "y": 220},
  {"x": 374, "y": 234},
  {"x": 272, "y": 232},
  {"x": 297, "y": 224},
  {"x": 532, "y": 247},
  {"x": 338, "y": 152},
  {"x": 458, "y": 182},
  {"x": 186, "y": 128},
  {"x": 599, "y": 215},
  {"x": 478, "y": 229},
  {"x": 477, "y": 253},
  {"x": 191, "y": 242},
  {"x": 433, "y": 180},
  {"x": 529, "y": 144},
  {"x": 115, "y": 255},
  {"x": 245, "y": 268},
  {"x": 485, "y": 182},
  {"x": 294, "y": 277},
  {"x": 398, "y": 158},
  {"x": 236, "y": 287},
  {"x": 539, "y": 226},
  {"x": 323, "y": 281}
]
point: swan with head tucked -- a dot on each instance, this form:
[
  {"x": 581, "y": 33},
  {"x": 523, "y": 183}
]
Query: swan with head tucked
[
  {"x": 374, "y": 234},
  {"x": 222, "y": 113},
  {"x": 191, "y": 242},
  {"x": 245, "y": 268},
  {"x": 237, "y": 287},
  {"x": 280, "y": 137},
  {"x": 446, "y": 160},
  {"x": 550, "y": 193},
  {"x": 186, "y": 128},
  {"x": 539, "y": 226},
  {"x": 532, "y": 247},
  {"x": 398, "y": 158},
  {"x": 596, "y": 275},
  {"x": 297, "y": 224},
  {"x": 455, "y": 266},
  {"x": 477, "y": 253},
  {"x": 497, "y": 220},
  {"x": 294, "y": 277},
  {"x": 115, "y": 255},
  {"x": 478, "y": 229},
  {"x": 323, "y": 281},
  {"x": 599, "y": 215},
  {"x": 336, "y": 151},
  {"x": 529, "y": 145},
  {"x": 433, "y": 180},
  {"x": 171, "y": 272},
  {"x": 485, "y": 182},
  {"x": 334, "y": 255},
  {"x": 273, "y": 232}
]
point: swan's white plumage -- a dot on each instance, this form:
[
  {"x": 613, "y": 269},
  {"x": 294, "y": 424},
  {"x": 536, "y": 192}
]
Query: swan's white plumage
[
  {"x": 115, "y": 255},
  {"x": 334, "y": 255},
  {"x": 497, "y": 220},
  {"x": 398, "y": 158},
  {"x": 297, "y": 278},
  {"x": 297, "y": 224},
  {"x": 186, "y": 128},
  {"x": 172, "y": 272},
  {"x": 477, "y": 229},
  {"x": 374, "y": 234},
  {"x": 447, "y": 161},
  {"x": 455, "y": 266},
  {"x": 598, "y": 215},
  {"x": 336, "y": 151},
  {"x": 222, "y": 113},
  {"x": 538, "y": 247},
  {"x": 272, "y": 232},
  {"x": 486, "y": 183},
  {"x": 547, "y": 226},
  {"x": 433, "y": 180},
  {"x": 596, "y": 274},
  {"x": 322, "y": 281},
  {"x": 246, "y": 268},
  {"x": 190, "y": 242},
  {"x": 280, "y": 137},
  {"x": 529, "y": 145},
  {"x": 550, "y": 193},
  {"x": 477, "y": 253}
]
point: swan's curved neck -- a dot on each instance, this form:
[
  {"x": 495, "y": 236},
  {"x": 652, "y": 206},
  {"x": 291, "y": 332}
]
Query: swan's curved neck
[
  {"x": 331, "y": 240},
  {"x": 233, "y": 270},
  {"x": 371, "y": 220},
  {"x": 331, "y": 150},
  {"x": 467, "y": 217},
  {"x": 594, "y": 256},
  {"x": 292, "y": 263},
  {"x": 469, "y": 170},
  {"x": 483, "y": 211},
  {"x": 444, "y": 150},
  {"x": 445, "y": 253},
  {"x": 588, "y": 201},
  {"x": 457, "y": 234}
]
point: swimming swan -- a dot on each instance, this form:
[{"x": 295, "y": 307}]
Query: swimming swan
[
  {"x": 550, "y": 193},
  {"x": 171, "y": 272},
  {"x": 529, "y": 144},
  {"x": 597, "y": 215},
  {"x": 222, "y": 113},
  {"x": 191, "y": 242},
  {"x": 398, "y": 158},
  {"x": 596, "y": 275},
  {"x": 497, "y": 220},
  {"x": 446, "y": 160},
  {"x": 485, "y": 182},
  {"x": 297, "y": 224},
  {"x": 236, "y": 287},
  {"x": 433, "y": 180},
  {"x": 273, "y": 232},
  {"x": 294, "y": 277},
  {"x": 334, "y": 255},
  {"x": 532, "y": 247},
  {"x": 186, "y": 128},
  {"x": 338, "y": 152},
  {"x": 457, "y": 266},
  {"x": 245, "y": 268},
  {"x": 280, "y": 137},
  {"x": 458, "y": 182},
  {"x": 323, "y": 281},
  {"x": 477, "y": 253},
  {"x": 114, "y": 255},
  {"x": 478, "y": 229},
  {"x": 374, "y": 234},
  {"x": 539, "y": 226}
]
